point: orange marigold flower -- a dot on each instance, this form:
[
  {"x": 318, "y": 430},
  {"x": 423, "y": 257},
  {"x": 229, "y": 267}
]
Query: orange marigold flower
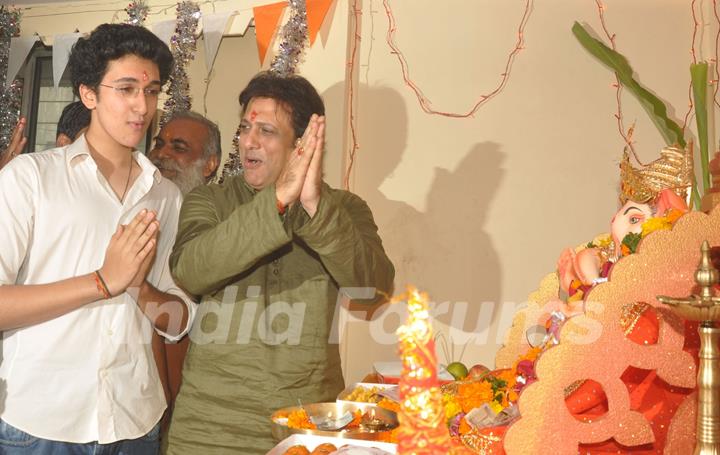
[
  {"x": 506, "y": 375},
  {"x": 472, "y": 395},
  {"x": 624, "y": 250},
  {"x": 299, "y": 419},
  {"x": 505, "y": 402},
  {"x": 389, "y": 405},
  {"x": 673, "y": 215}
]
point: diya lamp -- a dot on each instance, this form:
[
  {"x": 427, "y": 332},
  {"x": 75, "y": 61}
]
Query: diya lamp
[{"x": 705, "y": 308}]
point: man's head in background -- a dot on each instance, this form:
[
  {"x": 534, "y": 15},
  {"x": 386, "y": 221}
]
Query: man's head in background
[
  {"x": 74, "y": 120},
  {"x": 187, "y": 150}
]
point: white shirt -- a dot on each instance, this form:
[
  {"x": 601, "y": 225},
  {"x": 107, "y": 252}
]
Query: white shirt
[{"x": 88, "y": 375}]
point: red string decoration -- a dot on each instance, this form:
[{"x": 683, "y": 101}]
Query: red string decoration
[
  {"x": 425, "y": 103},
  {"x": 627, "y": 136},
  {"x": 696, "y": 25},
  {"x": 715, "y": 60},
  {"x": 351, "y": 94}
]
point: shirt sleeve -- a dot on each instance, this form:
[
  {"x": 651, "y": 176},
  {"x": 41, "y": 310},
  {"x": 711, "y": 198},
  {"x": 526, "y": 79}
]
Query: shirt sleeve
[
  {"x": 209, "y": 252},
  {"x": 344, "y": 235},
  {"x": 162, "y": 279},
  {"x": 18, "y": 199}
]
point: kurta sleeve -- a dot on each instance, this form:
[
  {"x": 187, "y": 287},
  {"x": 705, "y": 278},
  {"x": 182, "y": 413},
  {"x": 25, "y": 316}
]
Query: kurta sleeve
[
  {"x": 209, "y": 250},
  {"x": 160, "y": 276},
  {"x": 344, "y": 235}
]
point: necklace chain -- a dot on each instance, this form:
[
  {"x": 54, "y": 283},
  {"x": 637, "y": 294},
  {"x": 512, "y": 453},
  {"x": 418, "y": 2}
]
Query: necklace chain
[{"x": 127, "y": 183}]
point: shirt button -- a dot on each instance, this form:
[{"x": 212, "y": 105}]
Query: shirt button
[
  {"x": 276, "y": 261},
  {"x": 276, "y": 271}
]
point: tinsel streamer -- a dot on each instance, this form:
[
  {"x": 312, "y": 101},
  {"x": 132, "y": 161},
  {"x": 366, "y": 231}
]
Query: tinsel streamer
[
  {"x": 233, "y": 165},
  {"x": 183, "y": 46},
  {"x": 10, "y": 96},
  {"x": 137, "y": 12},
  {"x": 294, "y": 38}
]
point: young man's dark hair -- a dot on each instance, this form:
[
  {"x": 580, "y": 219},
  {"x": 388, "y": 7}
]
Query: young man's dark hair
[
  {"x": 294, "y": 93},
  {"x": 75, "y": 116},
  {"x": 90, "y": 56}
]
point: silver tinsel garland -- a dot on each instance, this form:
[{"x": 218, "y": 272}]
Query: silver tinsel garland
[
  {"x": 183, "y": 46},
  {"x": 10, "y": 96},
  {"x": 294, "y": 38},
  {"x": 137, "y": 12},
  {"x": 233, "y": 165}
]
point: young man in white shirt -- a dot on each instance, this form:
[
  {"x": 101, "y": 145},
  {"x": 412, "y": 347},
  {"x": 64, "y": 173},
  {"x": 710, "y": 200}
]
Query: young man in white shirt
[{"x": 86, "y": 233}]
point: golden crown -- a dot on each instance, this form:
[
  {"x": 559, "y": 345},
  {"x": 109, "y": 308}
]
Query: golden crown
[{"x": 673, "y": 170}]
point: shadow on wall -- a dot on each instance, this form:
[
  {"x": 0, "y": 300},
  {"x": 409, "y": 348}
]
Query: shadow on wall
[
  {"x": 445, "y": 250},
  {"x": 464, "y": 266}
]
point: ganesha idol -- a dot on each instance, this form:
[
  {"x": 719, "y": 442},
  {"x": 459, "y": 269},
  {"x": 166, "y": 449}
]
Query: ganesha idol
[{"x": 653, "y": 197}]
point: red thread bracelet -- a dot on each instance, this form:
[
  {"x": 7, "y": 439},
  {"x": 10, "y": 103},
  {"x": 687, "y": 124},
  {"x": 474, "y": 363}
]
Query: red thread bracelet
[
  {"x": 100, "y": 283},
  {"x": 280, "y": 207}
]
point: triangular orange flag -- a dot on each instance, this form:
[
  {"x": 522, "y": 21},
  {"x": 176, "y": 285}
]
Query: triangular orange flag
[
  {"x": 266, "y": 20},
  {"x": 316, "y": 11}
]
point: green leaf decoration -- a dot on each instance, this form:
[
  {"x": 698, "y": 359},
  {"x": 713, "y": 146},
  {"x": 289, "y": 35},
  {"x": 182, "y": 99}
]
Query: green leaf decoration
[
  {"x": 631, "y": 240},
  {"x": 654, "y": 106},
  {"x": 699, "y": 73}
]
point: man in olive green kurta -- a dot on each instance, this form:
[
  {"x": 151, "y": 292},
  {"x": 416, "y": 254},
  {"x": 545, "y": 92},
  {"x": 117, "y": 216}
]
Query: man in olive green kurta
[{"x": 268, "y": 250}]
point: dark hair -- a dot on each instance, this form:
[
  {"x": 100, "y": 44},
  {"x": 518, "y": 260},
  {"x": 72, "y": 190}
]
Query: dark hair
[
  {"x": 90, "y": 56},
  {"x": 75, "y": 116},
  {"x": 212, "y": 145},
  {"x": 294, "y": 93}
]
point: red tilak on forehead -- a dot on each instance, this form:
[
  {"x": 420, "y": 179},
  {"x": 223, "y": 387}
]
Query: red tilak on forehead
[
  {"x": 145, "y": 76},
  {"x": 253, "y": 114}
]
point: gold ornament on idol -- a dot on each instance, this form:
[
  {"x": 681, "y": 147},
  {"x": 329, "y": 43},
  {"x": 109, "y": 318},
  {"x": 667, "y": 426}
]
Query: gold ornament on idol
[{"x": 673, "y": 170}]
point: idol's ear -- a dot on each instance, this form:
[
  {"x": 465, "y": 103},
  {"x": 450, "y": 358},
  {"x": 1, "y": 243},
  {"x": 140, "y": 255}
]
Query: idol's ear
[{"x": 668, "y": 199}]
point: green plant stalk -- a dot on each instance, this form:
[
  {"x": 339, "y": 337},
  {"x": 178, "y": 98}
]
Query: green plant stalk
[
  {"x": 654, "y": 106},
  {"x": 698, "y": 75},
  {"x": 695, "y": 197}
]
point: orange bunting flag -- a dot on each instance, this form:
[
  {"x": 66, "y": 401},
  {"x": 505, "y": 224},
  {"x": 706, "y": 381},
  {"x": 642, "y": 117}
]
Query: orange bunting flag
[
  {"x": 316, "y": 11},
  {"x": 266, "y": 21}
]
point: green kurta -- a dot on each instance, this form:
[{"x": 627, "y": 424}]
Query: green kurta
[{"x": 273, "y": 284}]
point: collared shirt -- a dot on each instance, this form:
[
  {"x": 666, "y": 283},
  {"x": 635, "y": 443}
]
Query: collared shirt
[{"x": 88, "y": 375}]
